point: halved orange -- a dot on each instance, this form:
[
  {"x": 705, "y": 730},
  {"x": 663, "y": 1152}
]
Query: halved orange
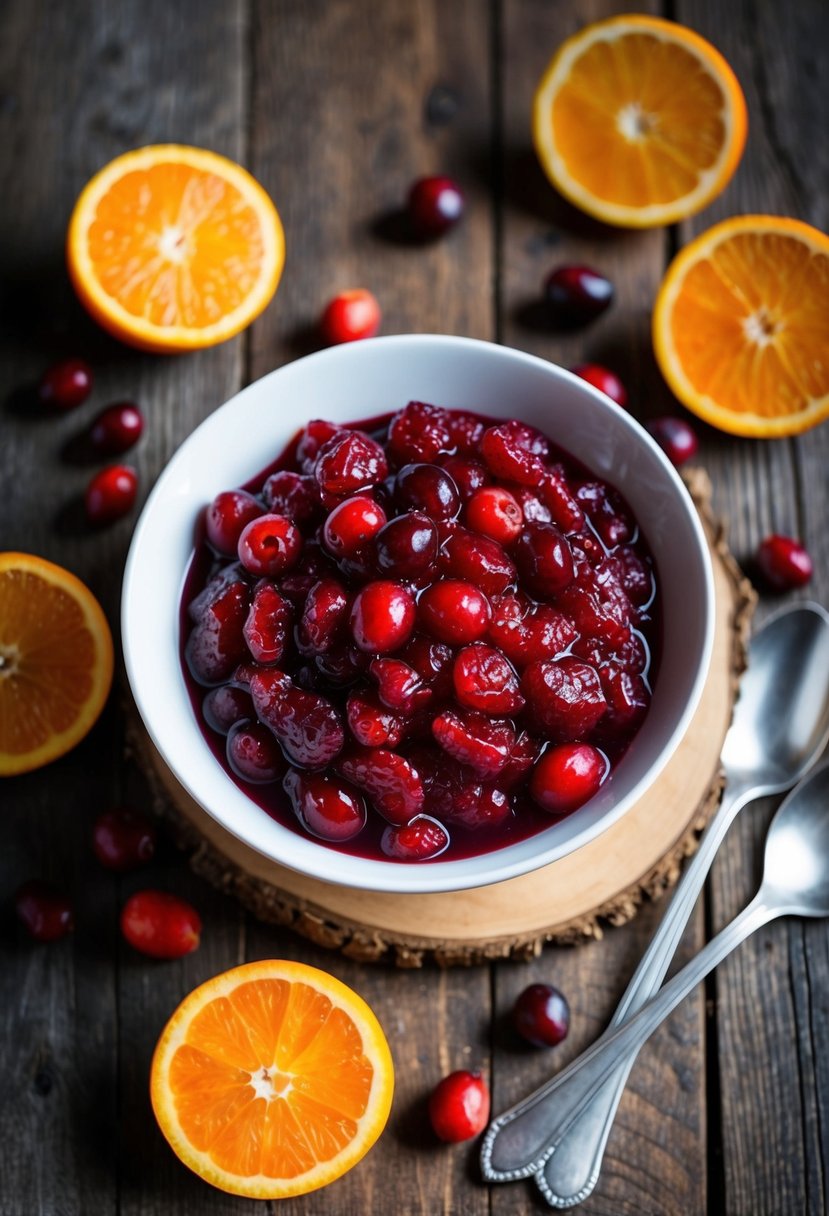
[
  {"x": 741, "y": 326},
  {"x": 55, "y": 661},
  {"x": 272, "y": 1079},
  {"x": 172, "y": 248},
  {"x": 639, "y": 121}
]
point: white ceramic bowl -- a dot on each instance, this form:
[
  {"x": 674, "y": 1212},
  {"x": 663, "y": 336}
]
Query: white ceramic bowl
[{"x": 361, "y": 380}]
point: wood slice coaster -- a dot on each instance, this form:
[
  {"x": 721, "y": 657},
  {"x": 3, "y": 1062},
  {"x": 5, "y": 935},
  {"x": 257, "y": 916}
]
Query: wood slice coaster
[{"x": 566, "y": 901}]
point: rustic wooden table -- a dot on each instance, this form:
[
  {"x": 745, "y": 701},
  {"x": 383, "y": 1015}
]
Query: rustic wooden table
[{"x": 337, "y": 107}]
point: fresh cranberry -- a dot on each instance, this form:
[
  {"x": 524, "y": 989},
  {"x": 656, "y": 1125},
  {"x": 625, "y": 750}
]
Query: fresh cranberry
[
  {"x": 123, "y": 839},
  {"x": 495, "y": 513},
  {"x": 254, "y": 754},
  {"x": 307, "y": 725},
  {"x": 349, "y": 316},
  {"x": 477, "y": 559},
  {"x": 407, "y": 546},
  {"x": 326, "y": 807},
  {"x": 454, "y": 611},
  {"x": 392, "y": 782},
  {"x": 111, "y": 493},
  {"x": 311, "y": 440},
  {"x": 576, "y": 295},
  {"x": 371, "y": 723},
  {"x": 484, "y": 680},
  {"x": 567, "y": 776},
  {"x": 268, "y": 625},
  {"x": 294, "y": 495},
  {"x": 399, "y": 686},
  {"x": 419, "y": 433},
  {"x": 223, "y": 707},
  {"x": 473, "y": 738},
  {"x": 604, "y": 380},
  {"x": 430, "y": 489},
  {"x": 66, "y": 384},
  {"x": 541, "y": 1015},
  {"x": 383, "y": 617},
  {"x": 160, "y": 925},
  {"x": 676, "y": 438},
  {"x": 784, "y": 563},
  {"x": 323, "y": 618},
  {"x": 419, "y": 840},
  {"x": 216, "y": 644},
  {"x": 351, "y": 525},
  {"x": 544, "y": 559},
  {"x": 226, "y": 518},
  {"x": 349, "y": 462},
  {"x": 269, "y": 545},
  {"x": 435, "y": 205},
  {"x": 564, "y": 697},
  {"x": 469, "y": 475},
  {"x": 44, "y": 910},
  {"x": 116, "y": 428},
  {"x": 511, "y": 453},
  {"x": 459, "y": 1106}
]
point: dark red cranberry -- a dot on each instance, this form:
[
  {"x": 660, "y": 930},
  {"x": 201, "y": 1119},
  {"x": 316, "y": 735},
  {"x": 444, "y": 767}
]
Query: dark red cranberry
[
  {"x": 495, "y": 513},
  {"x": 269, "y": 545},
  {"x": 576, "y": 295},
  {"x": 227, "y": 516},
  {"x": 216, "y": 645},
  {"x": 556, "y": 495},
  {"x": 66, "y": 384},
  {"x": 399, "y": 686},
  {"x": 371, "y": 723},
  {"x": 254, "y": 754},
  {"x": 382, "y": 617},
  {"x": 432, "y": 661},
  {"x": 430, "y": 489},
  {"x": 628, "y": 698},
  {"x": 111, "y": 493},
  {"x": 567, "y": 776},
  {"x": 484, "y": 680},
  {"x": 116, "y": 428},
  {"x": 468, "y": 474},
  {"x": 341, "y": 665},
  {"x": 676, "y": 438},
  {"x": 392, "y": 783},
  {"x": 350, "y": 316},
  {"x": 784, "y": 563},
  {"x": 418, "y": 433},
  {"x": 348, "y": 463},
  {"x": 291, "y": 494},
  {"x": 533, "y": 509},
  {"x": 435, "y": 205},
  {"x": 604, "y": 380},
  {"x": 454, "y": 611},
  {"x": 160, "y": 925},
  {"x": 512, "y": 455},
  {"x": 215, "y": 586},
  {"x": 406, "y": 546},
  {"x": 307, "y": 725},
  {"x": 323, "y": 618},
  {"x": 44, "y": 910},
  {"x": 465, "y": 431},
  {"x": 419, "y": 840},
  {"x": 564, "y": 697},
  {"x": 325, "y": 807},
  {"x": 123, "y": 839},
  {"x": 351, "y": 525},
  {"x": 459, "y": 1106},
  {"x": 223, "y": 707},
  {"x": 311, "y": 440},
  {"x": 522, "y": 757},
  {"x": 541, "y": 1015},
  {"x": 477, "y": 559},
  {"x": 527, "y": 633},
  {"x": 473, "y": 738},
  {"x": 544, "y": 559},
  {"x": 597, "y": 609},
  {"x": 268, "y": 625}
]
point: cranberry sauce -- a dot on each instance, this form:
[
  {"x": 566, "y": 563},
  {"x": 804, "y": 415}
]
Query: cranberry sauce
[{"x": 425, "y": 635}]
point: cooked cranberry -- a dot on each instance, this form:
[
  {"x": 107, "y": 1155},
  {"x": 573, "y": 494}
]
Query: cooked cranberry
[
  {"x": 226, "y": 518},
  {"x": 675, "y": 437},
  {"x": 454, "y": 611},
  {"x": 541, "y": 1015},
  {"x": 111, "y": 493},
  {"x": 419, "y": 840},
  {"x": 269, "y": 545},
  {"x": 435, "y": 205},
  {"x": 459, "y": 1106},
  {"x": 432, "y": 661},
  {"x": 382, "y": 617},
  {"x": 44, "y": 910},
  {"x": 465, "y": 431},
  {"x": 399, "y": 686},
  {"x": 216, "y": 644},
  {"x": 495, "y": 513},
  {"x": 527, "y": 633},
  {"x": 307, "y": 725},
  {"x": 349, "y": 462},
  {"x": 598, "y": 609},
  {"x": 784, "y": 563},
  {"x": 428, "y": 488},
  {"x": 510, "y": 452},
  {"x": 544, "y": 559},
  {"x": 268, "y": 625},
  {"x": 291, "y": 494},
  {"x": 477, "y": 559},
  {"x": 350, "y": 316},
  {"x": 468, "y": 474},
  {"x": 566, "y": 776},
  {"x": 371, "y": 723},
  {"x": 66, "y": 384},
  {"x": 419, "y": 433},
  {"x": 484, "y": 680},
  {"x": 342, "y": 664},
  {"x": 522, "y": 757},
  {"x": 351, "y": 525},
  {"x": 474, "y": 739},
  {"x": 628, "y": 698},
  {"x": 116, "y": 428},
  {"x": 160, "y": 925},
  {"x": 223, "y": 707},
  {"x": 532, "y": 508},
  {"x": 324, "y": 806},
  {"x": 123, "y": 839},
  {"x": 323, "y": 618},
  {"x": 406, "y": 546},
  {"x": 556, "y": 495},
  {"x": 564, "y": 697},
  {"x": 393, "y": 783},
  {"x": 607, "y": 513},
  {"x": 311, "y": 441},
  {"x": 254, "y": 754},
  {"x": 604, "y": 380},
  {"x": 576, "y": 295}
]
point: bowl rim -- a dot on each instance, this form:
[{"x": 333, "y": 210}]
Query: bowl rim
[{"x": 371, "y": 874}]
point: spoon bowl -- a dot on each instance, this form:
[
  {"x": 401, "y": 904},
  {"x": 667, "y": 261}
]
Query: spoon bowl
[{"x": 796, "y": 866}]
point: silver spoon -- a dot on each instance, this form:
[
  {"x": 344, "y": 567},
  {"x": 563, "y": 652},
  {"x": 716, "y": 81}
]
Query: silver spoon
[
  {"x": 795, "y": 883},
  {"x": 780, "y": 727}
]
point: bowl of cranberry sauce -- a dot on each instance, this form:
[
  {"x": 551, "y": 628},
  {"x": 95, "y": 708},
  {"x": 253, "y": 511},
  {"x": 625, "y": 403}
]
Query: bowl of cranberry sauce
[{"x": 433, "y": 643}]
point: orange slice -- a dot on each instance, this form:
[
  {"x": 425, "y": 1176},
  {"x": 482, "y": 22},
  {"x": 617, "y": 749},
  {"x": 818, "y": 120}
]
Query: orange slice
[
  {"x": 173, "y": 248},
  {"x": 55, "y": 661},
  {"x": 639, "y": 121},
  {"x": 272, "y": 1079},
  {"x": 741, "y": 326}
]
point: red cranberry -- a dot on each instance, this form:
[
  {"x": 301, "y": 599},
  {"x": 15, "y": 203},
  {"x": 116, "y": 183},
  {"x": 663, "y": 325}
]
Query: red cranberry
[
  {"x": 348, "y": 463},
  {"x": 325, "y": 807},
  {"x": 392, "y": 783},
  {"x": 576, "y": 295},
  {"x": 544, "y": 559},
  {"x": 533, "y": 509},
  {"x": 495, "y": 513},
  {"x": 477, "y": 559},
  {"x": 254, "y": 754},
  {"x": 349, "y": 316},
  {"x": 564, "y": 697},
  {"x": 111, "y": 493},
  {"x": 399, "y": 686},
  {"x": 468, "y": 475},
  {"x": 268, "y": 625},
  {"x": 419, "y": 840},
  {"x": 555, "y": 493},
  {"x": 604, "y": 380},
  {"x": 541, "y": 1015},
  {"x": 226, "y": 518},
  {"x": 371, "y": 723},
  {"x": 66, "y": 384},
  {"x": 351, "y": 525},
  {"x": 510, "y": 453},
  {"x": 406, "y": 546},
  {"x": 459, "y": 1106},
  {"x": 484, "y": 680},
  {"x": 383, "y": 617},
  {"x": 418, "y": 433},
  {"x": 453, "y": 611},
  {"x": 527, "y": 633},
  {"x": 522, "y": 757},
  {"x": 225, "y": 706},
  {"x": 116, "y": 428},
  {"x": 432, "y": 661},
  {"x": 269, "y": 545},
  {"x": 676, "y": 438},
  {"x": 44, "y": 910},
  {"x": 123, "y": 839},
  {"x": 160, "y": 925},
  {"x": 311, "y": 440},
  {"x": 216, "y": 645},
  {"x": 435, "y": 205},
  {"x": 323, "y": 617},
  {"x": 428, "y": 488},
  {"x": 474, "y": 739},
  {"x": 308, "y": 726},
  {"x": 567, "y": 776},
  {"x": 291, "y": 494},
  {"x": 465, "y": 431},
  {"x": 784, "y": 563}
]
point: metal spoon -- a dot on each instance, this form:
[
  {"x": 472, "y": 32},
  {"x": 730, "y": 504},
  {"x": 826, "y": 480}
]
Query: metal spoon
[
  {"x": 795, "y": 883},
  {"x": 780, "y": 727}
]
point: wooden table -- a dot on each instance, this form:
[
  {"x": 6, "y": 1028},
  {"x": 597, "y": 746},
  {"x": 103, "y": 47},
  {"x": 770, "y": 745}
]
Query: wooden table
[{"x": 337, "y": 107}]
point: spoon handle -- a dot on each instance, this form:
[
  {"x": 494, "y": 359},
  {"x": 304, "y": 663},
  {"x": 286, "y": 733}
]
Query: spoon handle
[{"x": 518, "y": 1142}]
